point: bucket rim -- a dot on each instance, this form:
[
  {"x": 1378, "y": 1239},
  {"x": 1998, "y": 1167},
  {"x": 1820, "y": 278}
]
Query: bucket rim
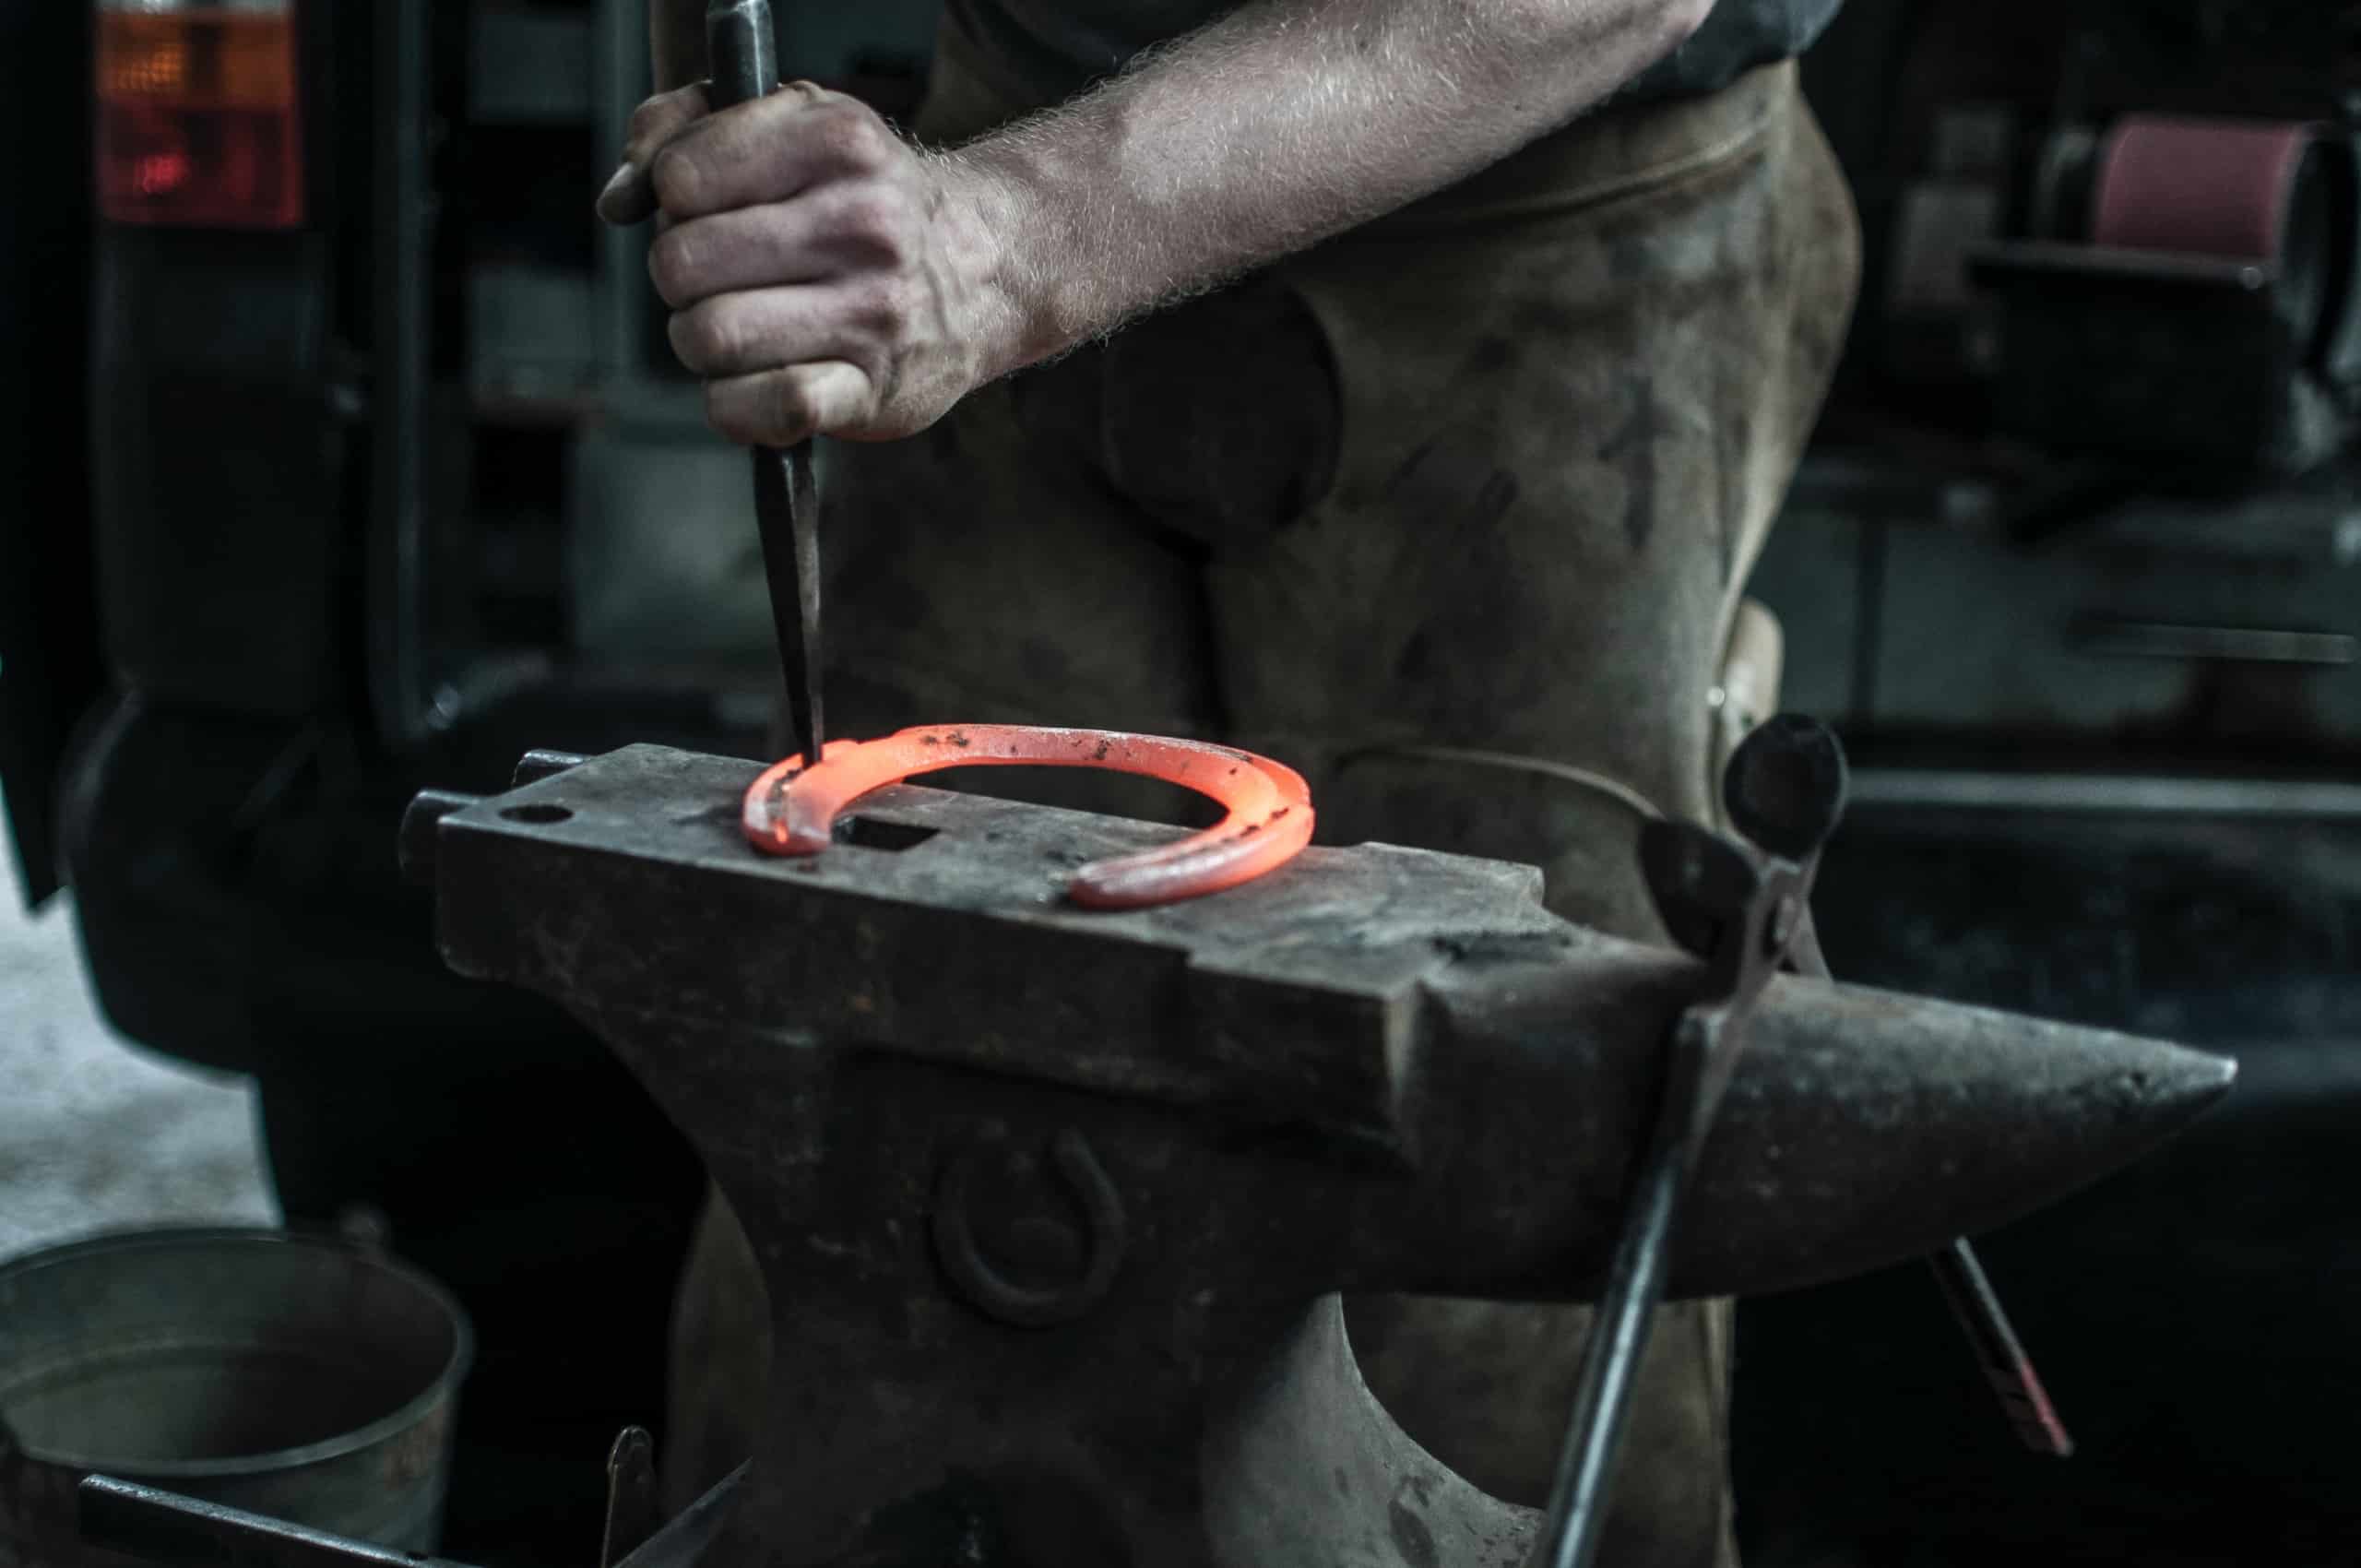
[{"x": 443, "y": 1387}]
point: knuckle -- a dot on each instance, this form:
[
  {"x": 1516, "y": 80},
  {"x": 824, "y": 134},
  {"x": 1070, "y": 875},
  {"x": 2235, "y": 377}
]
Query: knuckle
[
  {"x": 671, "y": 268},
  {"x": 739, "y": 424},
  {"x": 706, "y": 336},
  {"x": 724, "y": 412},
  {"x": 896, "y": 246},
  {"x": 678, "y": 179},
  {"x": 661, "y": 115},
  {"x": 880, "y": 220},
  {"x": 883, "y": 307},
  {"x": 794, "y": 407},
  {"x": 848, "y": 137}
]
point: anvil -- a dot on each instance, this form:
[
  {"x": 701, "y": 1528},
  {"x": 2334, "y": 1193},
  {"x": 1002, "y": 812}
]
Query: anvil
[{"x": 1053, "y": 1205}]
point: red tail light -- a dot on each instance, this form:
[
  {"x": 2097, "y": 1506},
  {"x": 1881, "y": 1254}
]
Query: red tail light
[{"x": 197, "y": 122}]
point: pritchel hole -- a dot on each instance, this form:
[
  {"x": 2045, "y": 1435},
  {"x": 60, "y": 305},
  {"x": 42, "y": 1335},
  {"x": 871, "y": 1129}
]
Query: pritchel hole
[
  {"x": 868, "y": 833},
  {"x": 539, "y": 816}
]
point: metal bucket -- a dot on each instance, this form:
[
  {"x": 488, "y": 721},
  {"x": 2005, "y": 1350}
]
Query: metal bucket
[{"x": 301, "y": 1377}]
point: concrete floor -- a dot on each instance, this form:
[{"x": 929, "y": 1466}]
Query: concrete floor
[{"x": 96, "y": 1133}]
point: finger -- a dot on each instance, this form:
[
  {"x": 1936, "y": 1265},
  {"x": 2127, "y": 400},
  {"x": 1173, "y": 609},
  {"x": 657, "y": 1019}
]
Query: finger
[
  {"x": 779, "y": 407},
  {"x": 759, "y": 329},
  {"x": 769, "y": 150},
  {"x": 629, "y": 196},
  {"x": 819, "y": 234},
  {"x": 658, "y": 119}
]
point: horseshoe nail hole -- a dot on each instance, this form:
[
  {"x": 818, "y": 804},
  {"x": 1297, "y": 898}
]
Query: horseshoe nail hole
[
  {"x": 868, "y": 833},
  {"x": 539, "y": 816}
]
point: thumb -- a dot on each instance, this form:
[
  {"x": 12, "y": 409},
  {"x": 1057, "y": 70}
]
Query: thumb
[{"x": 630, "y": 195}]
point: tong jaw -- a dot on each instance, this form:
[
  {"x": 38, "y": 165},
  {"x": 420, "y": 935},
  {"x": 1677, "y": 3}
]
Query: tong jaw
[{"x": 1740, "y": 906}]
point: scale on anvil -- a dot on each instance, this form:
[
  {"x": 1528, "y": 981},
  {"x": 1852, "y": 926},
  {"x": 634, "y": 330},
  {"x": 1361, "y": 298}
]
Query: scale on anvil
[{"x": 1372, "y": 1069}]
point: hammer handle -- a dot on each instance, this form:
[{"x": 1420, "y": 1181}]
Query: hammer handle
[{"x": 742, "y": 50}]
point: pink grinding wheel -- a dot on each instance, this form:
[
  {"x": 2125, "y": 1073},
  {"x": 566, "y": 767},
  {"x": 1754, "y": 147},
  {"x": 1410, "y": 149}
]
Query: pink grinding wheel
[
  {"x": 790, "y": 810},
  {"x": 2202, "y": 187}
]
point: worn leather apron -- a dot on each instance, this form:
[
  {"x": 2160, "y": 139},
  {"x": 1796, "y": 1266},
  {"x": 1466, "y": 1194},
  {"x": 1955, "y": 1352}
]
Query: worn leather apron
[{"x": 1452, "y": 512}]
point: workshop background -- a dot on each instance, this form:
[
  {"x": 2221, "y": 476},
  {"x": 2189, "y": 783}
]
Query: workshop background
[{"x": 309, "y": 516}]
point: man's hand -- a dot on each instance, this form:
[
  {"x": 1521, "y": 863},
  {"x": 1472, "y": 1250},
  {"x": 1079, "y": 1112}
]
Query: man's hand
[{"x": 825, "y": 277}]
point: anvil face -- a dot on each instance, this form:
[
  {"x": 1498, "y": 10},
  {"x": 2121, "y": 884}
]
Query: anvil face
[
  {"x": 1045, "y": 1198},
  {"x": 938, "y": 928}
]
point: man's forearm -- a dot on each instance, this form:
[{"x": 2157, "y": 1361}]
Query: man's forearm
[
  {"x": 1285, "y": 123},
  {"x": 825, "y": 276}
]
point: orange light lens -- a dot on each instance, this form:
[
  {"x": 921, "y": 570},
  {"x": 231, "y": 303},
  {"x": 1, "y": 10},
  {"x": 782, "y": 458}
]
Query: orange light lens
[
  {"x": 142, "y": 56},
  {"x": 197, "y": 118}
]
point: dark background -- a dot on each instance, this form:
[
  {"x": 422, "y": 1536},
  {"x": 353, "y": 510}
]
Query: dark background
[{"x": 302, "y": 523}]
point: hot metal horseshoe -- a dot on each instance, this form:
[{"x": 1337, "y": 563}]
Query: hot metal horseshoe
[{"x": 790, "y": 809}]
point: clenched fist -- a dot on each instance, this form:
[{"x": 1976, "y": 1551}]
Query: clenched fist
[{"x": 825, "y": 277}]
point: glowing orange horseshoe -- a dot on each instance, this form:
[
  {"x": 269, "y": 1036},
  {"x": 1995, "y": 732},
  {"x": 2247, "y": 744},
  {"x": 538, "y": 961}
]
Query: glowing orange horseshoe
[{"x": 790, "y": 809}]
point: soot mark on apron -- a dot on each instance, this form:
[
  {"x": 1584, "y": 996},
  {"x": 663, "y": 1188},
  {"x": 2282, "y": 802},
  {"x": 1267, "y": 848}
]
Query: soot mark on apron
[
  {"x": 1416, "y": 663},
  {"x": 1478, "y": 612},
  {"x": 1632, "y": 449},
  {"x": 1490, "y": 357},
  {"x": 1732, "y": 442},
  {"x": 1630, "y": 258},
  {"x": 1404, "y": 471},
  {"x": 1493, "y": 501}
]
